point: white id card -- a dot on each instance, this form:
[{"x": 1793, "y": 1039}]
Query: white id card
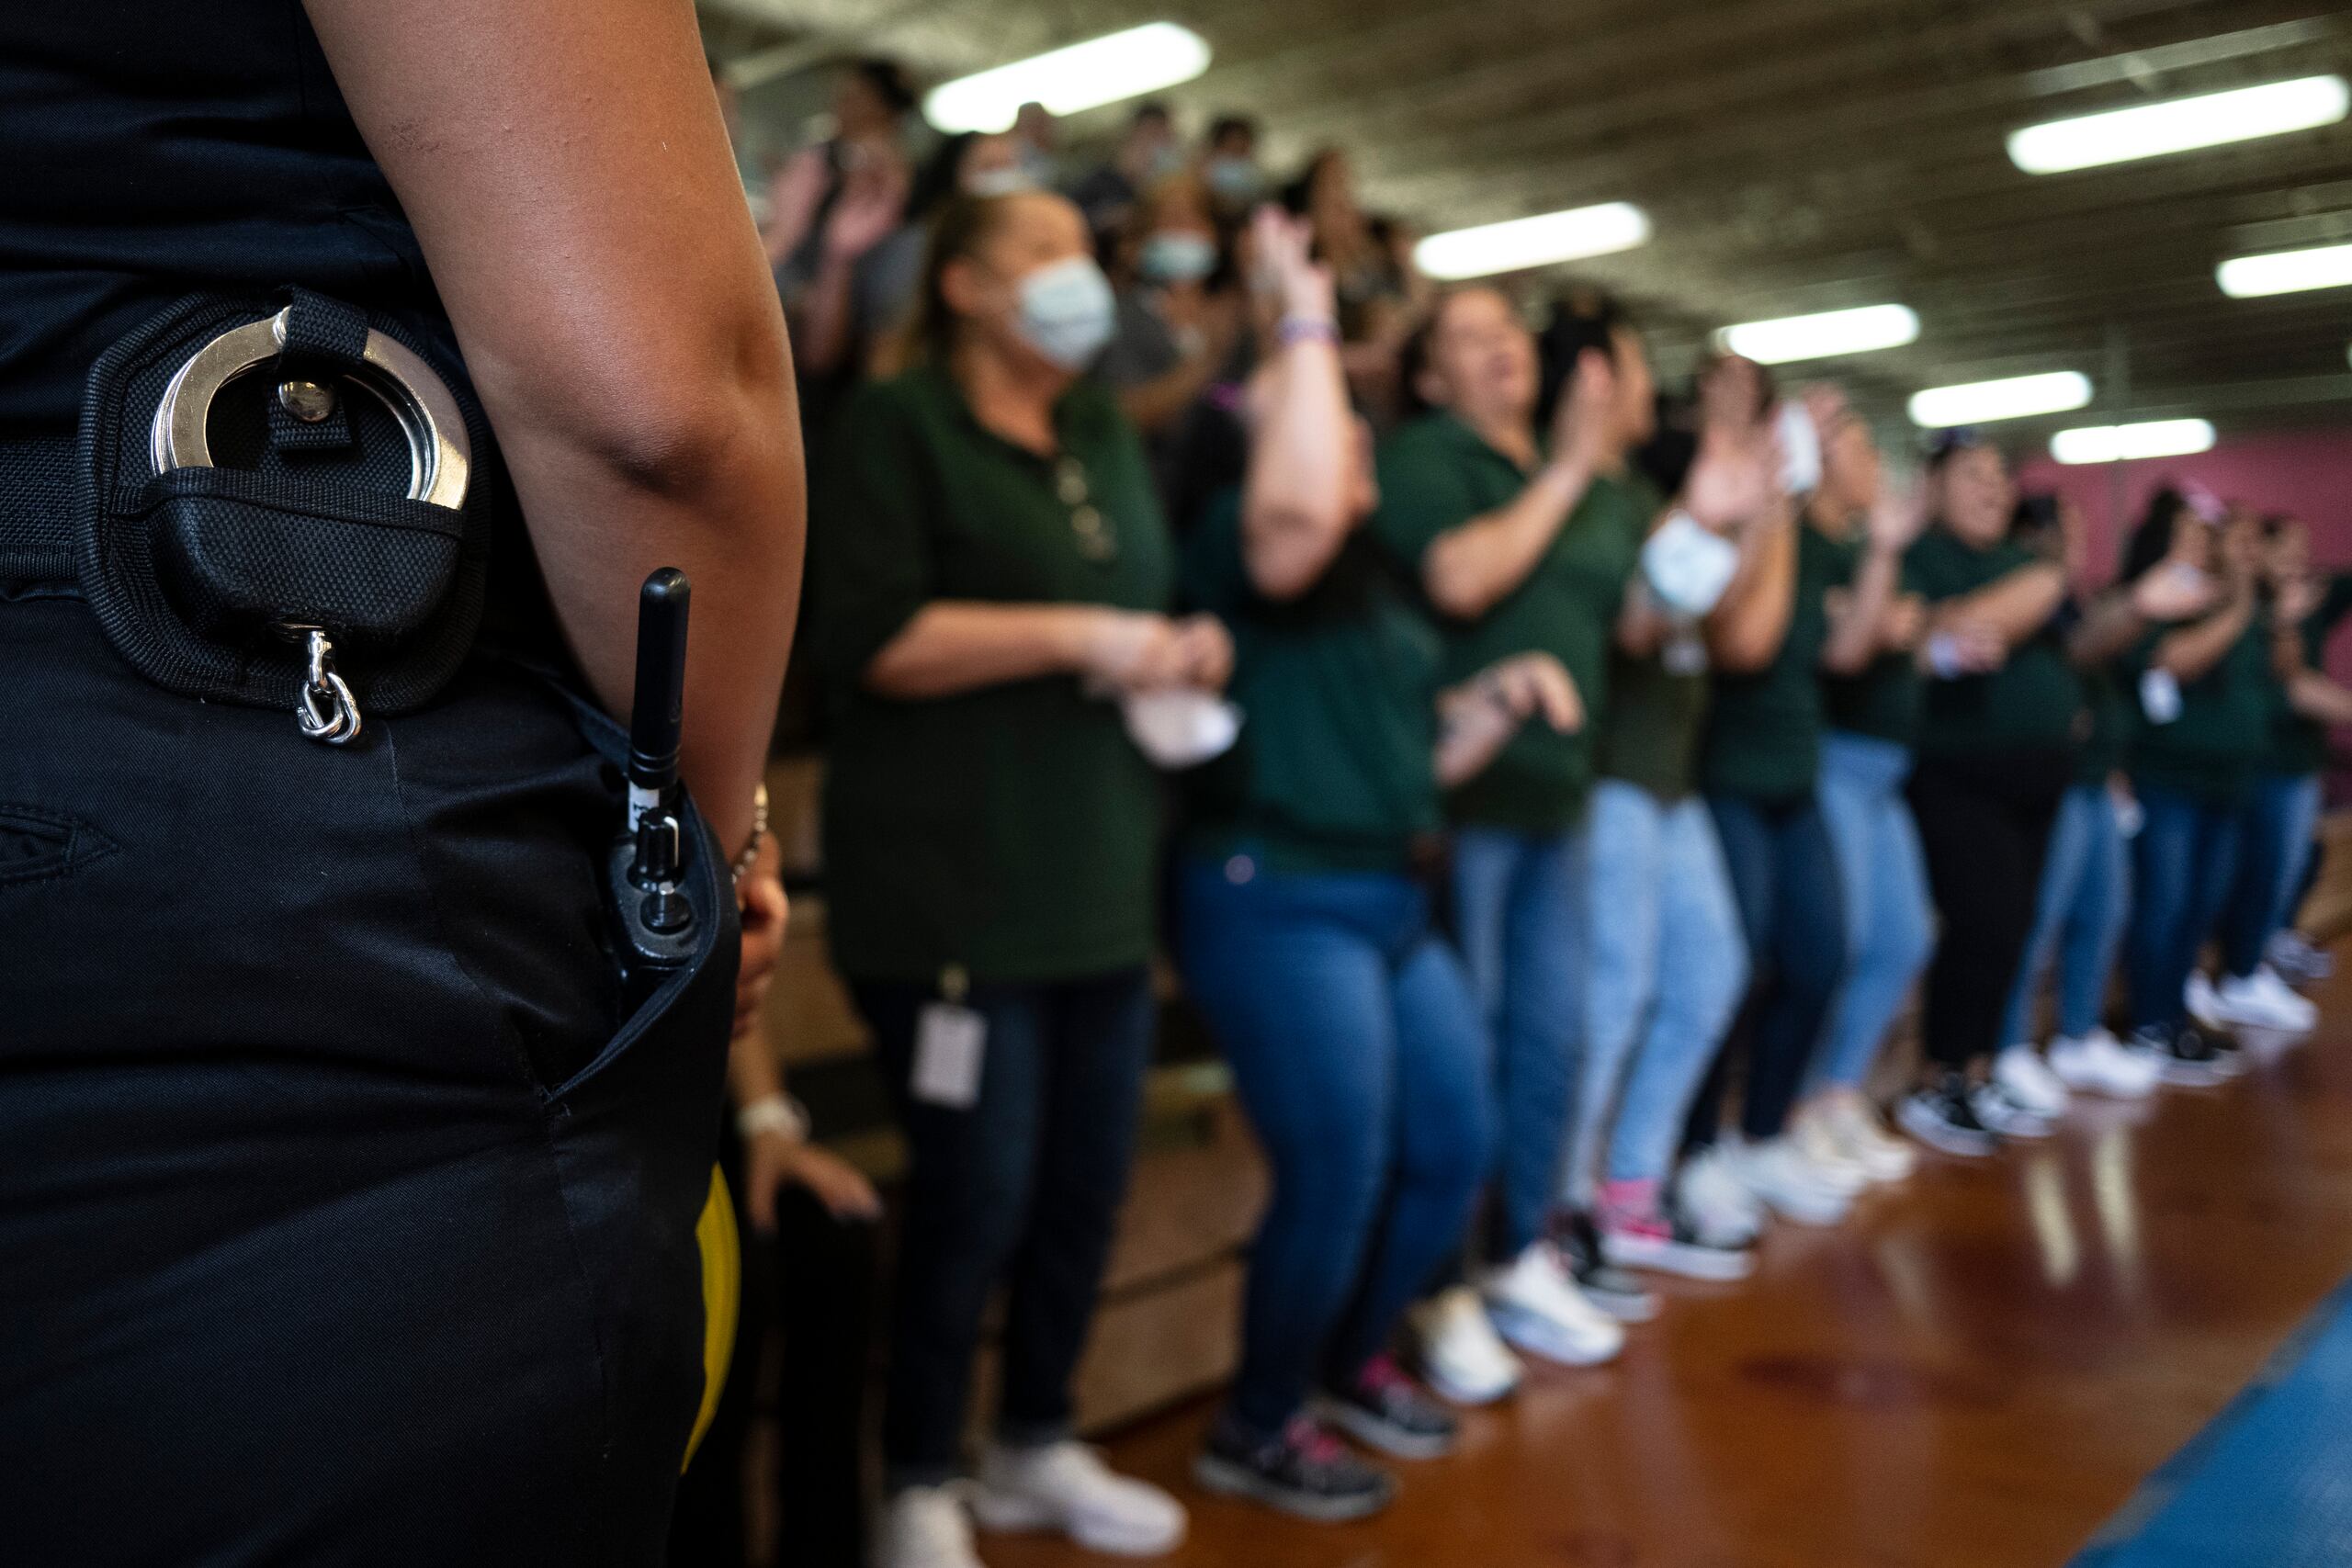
[
  {"x": 950, "y": 1042},
  {"x": 2160, "y": 696}
]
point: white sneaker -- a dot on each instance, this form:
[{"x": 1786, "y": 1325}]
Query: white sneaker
[
  {"x": 2262, "y": 1001},
  {"x": 2001, "y": 1112},
  {"x": 2097, "y": 1062},
  {"x": 1855, "y": 1125},
  {"x": 1066, "y": 1488},
  {"x": 1716, "y": 1205},
  {"x": 2027, "y": 1078},
  {"x": 1462, "y": 1357},
  {"x": 1832, "y": 1166},
  {"x": 2291, "y": 954},
  {"x": 2202, "y": 1003},
  {"x": 1536, "y": 1306},
  {"x": 923, "y": 1526},
  {"x": 1783, "y": 1181}
]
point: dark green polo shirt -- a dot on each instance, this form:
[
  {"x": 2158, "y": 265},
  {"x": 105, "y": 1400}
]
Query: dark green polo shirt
[
  {"x": 1435, "y": 475},
  {"x": 2299, "y": 745},
  {"x": 2215, "y": 746},
  {"x": 1764, "y": 734},
  {"x": 2032, "y": 703},
  {"x": 1880, "y": 699},
  {"x": 1650, "y": 735},
  {"x": 2108, "y": 733},
  {"x": 1333, "y": 769},
  {"x": 1009, "y": 830}
]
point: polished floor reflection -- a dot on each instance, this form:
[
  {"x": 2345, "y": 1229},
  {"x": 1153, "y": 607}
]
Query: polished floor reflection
[{"x": 1975, "y": 1369}]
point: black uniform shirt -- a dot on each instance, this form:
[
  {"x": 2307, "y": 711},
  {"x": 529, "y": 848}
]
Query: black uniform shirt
[{"x": 149, "y": 149}]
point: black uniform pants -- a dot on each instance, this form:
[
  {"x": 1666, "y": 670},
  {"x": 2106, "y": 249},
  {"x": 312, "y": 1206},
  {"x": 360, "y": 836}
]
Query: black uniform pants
[
  {"x": 337, "y": 1224},
  {"x": 1984, "y": 826}
]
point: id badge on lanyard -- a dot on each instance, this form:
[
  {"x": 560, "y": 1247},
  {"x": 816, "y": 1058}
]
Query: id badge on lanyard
[{"x": 951, "y": 1047}]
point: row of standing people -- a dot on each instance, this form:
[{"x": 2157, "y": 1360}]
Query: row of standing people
[{"x": 1568, "y": 798}]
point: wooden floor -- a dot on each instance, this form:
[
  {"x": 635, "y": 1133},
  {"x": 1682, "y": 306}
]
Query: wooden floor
[{"x": 1975, "y": 1369}]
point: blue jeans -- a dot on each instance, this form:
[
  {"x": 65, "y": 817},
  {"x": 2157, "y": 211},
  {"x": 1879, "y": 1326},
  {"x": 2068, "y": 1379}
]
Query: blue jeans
[
  {"x": 1667, "y": 967},
  {"x": 2079, "y": 916},
  {"x": 2182, "y": 863},
  {"x": 1358, "y": 1054},
  {"x": 2274, "y": 849},
  {"x": 1785, "y": 881},
  {"x": 1024, "y": 1187},
  {"x": 1519, "y": 915},
  {"x": 1890, "y": 920}
]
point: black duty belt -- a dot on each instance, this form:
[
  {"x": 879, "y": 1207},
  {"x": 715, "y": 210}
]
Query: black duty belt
[{"x": 37, "y": 509}]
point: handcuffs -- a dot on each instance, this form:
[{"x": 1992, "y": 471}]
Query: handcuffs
[{"x": 440, "y": 460}]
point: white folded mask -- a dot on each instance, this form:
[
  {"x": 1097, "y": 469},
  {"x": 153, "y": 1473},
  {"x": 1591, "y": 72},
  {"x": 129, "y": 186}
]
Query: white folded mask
[
  {"x": 1180, "y": 727},
  {"x": 2159, "y": 695},
  {"x": 1687, "y": 565},
  {"x": 1800, "y": 450}
]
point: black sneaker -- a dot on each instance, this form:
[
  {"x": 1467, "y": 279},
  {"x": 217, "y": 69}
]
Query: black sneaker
[
  {"x": 2229, "y": 1056},
  {"x": 2184, "y": 1055},
  {"x": 1942, "y": 1118},
  {"x": 1384, "y": 1410},
  {"x": 1305, "y": 1472},
  {"x": 1605, "y": 1285}
]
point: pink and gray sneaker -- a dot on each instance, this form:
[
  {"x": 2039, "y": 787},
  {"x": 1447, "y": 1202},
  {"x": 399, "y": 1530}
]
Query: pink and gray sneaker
[
  {"x": 1303, "y": 1471},
  {"x": 1637, "y": 1232}
]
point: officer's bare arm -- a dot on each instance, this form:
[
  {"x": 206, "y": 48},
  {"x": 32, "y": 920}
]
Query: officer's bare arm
[{"x": 568, "y": 175}]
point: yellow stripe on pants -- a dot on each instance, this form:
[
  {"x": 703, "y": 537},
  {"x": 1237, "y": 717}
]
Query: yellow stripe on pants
[{"x": 722, "y": 1297}]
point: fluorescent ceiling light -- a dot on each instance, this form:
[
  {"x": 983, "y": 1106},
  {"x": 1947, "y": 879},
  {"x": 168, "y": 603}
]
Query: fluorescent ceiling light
[
  {"x": 1823, "y": 334},
  {"x": 2118, "y": 443},
  {"x": 1072, "y": 79},
  {"x": 2285, "y": 272},
  {"x": 1540, "y": 240},
  {"x": 2182, "y": 125},
  {"x": 2014, "y": 397}
]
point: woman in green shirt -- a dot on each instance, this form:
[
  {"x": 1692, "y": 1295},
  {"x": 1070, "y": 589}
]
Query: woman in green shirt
[
  {"x": 991, "y": 577},
  {"x": 1999, "y": 727},
  {"x": 1522, "y": 538},
  {"x": 1358, "y": 1048},
  {"x": 2196, "y": 735},
  {"x": 2283, "y": 805},
  {"x": 1870, "y": 693}
]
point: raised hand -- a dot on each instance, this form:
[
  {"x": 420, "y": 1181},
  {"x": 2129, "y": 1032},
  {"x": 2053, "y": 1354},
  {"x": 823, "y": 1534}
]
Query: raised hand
[
  {"x": 872, "y": 204},
  {"x": 1898, "y": 515},
  {"x": 1736, "y": 477},
  {"x": 2297, "y": 600},
  {"x": 1285, "y": 273},
  {"x": 795, "y": 191},
  {"x": 1581, "y": 423},
  {"x": 2173, "y": 592}
]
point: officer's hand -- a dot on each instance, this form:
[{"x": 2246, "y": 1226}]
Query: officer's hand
[
  {"x": 759, "y": 896},
  {"x": 771, "y": 1161}
]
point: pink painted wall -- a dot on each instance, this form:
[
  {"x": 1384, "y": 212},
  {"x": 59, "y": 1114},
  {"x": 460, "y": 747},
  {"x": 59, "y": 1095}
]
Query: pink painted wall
[{"x": 2308, "y": 473}]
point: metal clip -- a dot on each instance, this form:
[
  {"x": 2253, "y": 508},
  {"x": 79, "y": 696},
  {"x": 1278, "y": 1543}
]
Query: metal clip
[{"x": 338, "y": 725}]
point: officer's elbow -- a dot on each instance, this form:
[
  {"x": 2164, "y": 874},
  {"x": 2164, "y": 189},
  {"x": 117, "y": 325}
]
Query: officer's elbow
[{"x": 681, "y": 416}]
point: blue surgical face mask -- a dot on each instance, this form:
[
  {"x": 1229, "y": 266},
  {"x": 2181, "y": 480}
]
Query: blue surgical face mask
[
  {"x": 1002, "y": 180},
  {"x": 1065, "y": 311},
  {"x": 1165, "y": 164},
  {"x": 1234, "y": 177},
  {"x": 1178, "y": 257}
]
